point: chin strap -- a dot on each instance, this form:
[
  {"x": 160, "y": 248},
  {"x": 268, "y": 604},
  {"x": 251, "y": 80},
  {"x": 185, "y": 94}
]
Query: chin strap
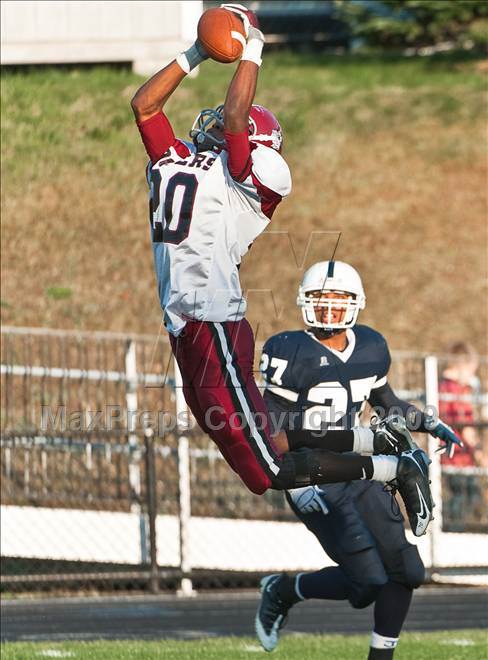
[
  {"x": 207, "y": 145},
  {"x": 324, "y": 333}
]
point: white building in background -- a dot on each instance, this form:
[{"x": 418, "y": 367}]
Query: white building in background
[{"x": 146, "y": 33}]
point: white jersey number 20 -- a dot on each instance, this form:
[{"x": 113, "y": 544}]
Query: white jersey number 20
[{"x": 173, "y": 225}]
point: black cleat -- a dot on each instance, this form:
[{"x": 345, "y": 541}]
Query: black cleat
[
  {"x": 391, "y": 436},
  {"x": 272, "y": 611},
  {"x": 412, "y": 482}
]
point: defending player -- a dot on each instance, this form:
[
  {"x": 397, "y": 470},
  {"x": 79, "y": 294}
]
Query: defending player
[
  {"x": 210, "y": 199},
  {"x": 326, "y": 374}
]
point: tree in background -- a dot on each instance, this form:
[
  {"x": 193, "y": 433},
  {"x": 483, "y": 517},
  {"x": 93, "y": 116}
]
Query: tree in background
[{"x": 417, "y": 23}]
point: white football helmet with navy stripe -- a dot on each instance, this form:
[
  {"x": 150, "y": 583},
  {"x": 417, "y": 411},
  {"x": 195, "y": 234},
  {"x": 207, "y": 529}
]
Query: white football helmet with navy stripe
[{"x": 331, "y": 277}]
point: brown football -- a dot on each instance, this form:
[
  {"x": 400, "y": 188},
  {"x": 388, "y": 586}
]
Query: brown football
[{"x": 222, "y": 34}]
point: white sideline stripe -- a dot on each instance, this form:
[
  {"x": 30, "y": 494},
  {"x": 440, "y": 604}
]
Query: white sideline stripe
[
  {"x": 55, "y": 653},
  {"x": 242, "y": 399},
  {"x": 281, "y": 391},
  {"x": 89, "y": 374}
]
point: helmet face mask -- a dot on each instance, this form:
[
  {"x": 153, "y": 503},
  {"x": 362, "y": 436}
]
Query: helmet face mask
[
  {"x": 201, "y": 134},
  {"x": 264, "y": 129},
  {"x": 331, "y": 296},
  {"x": 331, "y": 313}
]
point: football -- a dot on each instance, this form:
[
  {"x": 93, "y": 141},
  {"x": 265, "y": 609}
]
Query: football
[{"x": 222, "y": 34}]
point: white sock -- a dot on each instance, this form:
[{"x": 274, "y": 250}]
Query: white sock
[
  {"x": 380, "y": 642},
  {"x": 384, "y": 467},
  {"x": 363, "y": 440}
]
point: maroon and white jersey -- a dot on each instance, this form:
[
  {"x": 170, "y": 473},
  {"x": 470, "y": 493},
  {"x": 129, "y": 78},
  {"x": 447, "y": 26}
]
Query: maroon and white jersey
[{"x": 205, "y": 211}]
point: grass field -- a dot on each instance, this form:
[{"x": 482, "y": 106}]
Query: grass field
[
  {"x": 458, "y": 645},
  {"x": 389, "y": 151}
]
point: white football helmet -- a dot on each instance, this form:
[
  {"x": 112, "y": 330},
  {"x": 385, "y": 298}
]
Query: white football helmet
[{"x": 326, "y": 277}]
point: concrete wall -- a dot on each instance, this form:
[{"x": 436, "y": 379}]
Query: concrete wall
[
  {"x": 214, "y": 543},
  {"x": 148, "y": 34}
]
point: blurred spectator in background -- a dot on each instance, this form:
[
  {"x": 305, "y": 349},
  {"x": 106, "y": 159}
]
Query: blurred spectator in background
[
  {"x": 457, "y": 387},
  {"x": 464, "y": 499}
]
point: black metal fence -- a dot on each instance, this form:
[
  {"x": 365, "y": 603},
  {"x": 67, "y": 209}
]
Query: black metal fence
[{"x": 102, "y": 485}]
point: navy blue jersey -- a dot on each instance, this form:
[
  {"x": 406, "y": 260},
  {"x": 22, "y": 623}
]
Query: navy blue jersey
[{"x": 322, "y": 387}]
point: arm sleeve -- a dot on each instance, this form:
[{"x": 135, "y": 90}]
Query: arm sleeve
[
  {"x": 383, "y": 399},
  {"x": 239, "y": 155},
  {"x": 157, "y": 135}
]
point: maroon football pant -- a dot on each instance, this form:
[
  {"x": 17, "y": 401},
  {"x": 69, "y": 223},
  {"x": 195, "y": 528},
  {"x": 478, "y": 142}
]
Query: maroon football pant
[{"x": 216, "y": 364}]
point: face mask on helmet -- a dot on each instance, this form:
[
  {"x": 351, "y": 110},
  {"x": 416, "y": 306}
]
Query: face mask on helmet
[
  {"x": 264, "y": 128},
  {"x": 329, "y": 309},
  {"x": 331, "y": 296},
  {"x": 201, "y": 132}
]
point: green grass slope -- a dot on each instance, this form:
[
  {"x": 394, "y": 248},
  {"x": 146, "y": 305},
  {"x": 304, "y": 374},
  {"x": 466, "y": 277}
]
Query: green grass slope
[
  {"x": 389, "y": 152},
  {"x": 458, "y": 645}
]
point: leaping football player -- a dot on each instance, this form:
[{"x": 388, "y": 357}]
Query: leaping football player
[
  {"x": 209, "y": 200},
  {"x": 324, "y": 375}
]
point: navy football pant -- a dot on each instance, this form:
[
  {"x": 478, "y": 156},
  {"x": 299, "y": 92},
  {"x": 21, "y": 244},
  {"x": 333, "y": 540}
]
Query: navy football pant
[{"x": 365, "y": 535}]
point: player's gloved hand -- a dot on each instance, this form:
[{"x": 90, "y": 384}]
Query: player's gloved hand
[
  {"x": 192, "y": 57},
  {"x": 247, "y": 16},
  {"x": 449, "y": 440},
  {"x": 255, "y": 38},
  {"x": 309, "y": 499},
  {"x": 255, "y": 34},
  {"x": 254, "y": 47}
]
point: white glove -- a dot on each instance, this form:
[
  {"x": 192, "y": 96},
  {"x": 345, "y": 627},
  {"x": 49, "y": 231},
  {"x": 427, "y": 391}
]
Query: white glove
[
  {"x": 255, "y": 38},
  {"x": 309, "y": 499},
  {"x": 241, "y": 11},
  {"x": 254, "y": 46}
]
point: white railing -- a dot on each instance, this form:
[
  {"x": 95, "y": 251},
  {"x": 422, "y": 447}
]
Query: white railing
[{"x": 138, "y": 369}]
